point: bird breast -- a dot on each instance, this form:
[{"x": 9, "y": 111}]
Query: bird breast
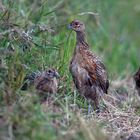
[
  {"x": 49, "y": 85},
  {"x": 79, "y": 74}
]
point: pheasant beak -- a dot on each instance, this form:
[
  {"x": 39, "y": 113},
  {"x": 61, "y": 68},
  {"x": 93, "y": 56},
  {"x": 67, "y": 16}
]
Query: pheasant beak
[{"x": 70, "y": 26}]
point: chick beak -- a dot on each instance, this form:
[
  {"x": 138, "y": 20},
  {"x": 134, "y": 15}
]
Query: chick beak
[{"x": 56, "y": 74}]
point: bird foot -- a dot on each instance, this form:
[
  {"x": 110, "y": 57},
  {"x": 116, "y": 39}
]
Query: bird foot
[
  {"x": 90, "y": 110},
  {"x": 97, "y": 110}
]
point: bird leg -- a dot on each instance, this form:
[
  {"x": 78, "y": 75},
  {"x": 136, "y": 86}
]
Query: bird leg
[
  {"x": 90, "y": 108},
  {"x": 96, "y": 103}
]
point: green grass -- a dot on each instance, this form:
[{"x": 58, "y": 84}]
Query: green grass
[{"x": 34, "y": 36}]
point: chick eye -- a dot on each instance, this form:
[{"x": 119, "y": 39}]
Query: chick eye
[{"x": 49, "y": 71}]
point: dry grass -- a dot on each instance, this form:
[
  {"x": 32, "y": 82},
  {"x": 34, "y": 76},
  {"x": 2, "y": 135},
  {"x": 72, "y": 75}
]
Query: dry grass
[{"x": 118, "y": 120}]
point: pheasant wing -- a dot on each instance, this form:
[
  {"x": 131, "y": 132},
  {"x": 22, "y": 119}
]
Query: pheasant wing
[{"x": 96, "y": 70}]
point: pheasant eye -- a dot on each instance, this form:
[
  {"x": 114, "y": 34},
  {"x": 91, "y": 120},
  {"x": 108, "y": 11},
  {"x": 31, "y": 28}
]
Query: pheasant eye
[{"x": 76, "y": 23}]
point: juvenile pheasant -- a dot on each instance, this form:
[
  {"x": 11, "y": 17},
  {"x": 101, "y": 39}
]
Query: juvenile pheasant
[
  {"x": 43, "y": 81},
  {"x": 88, "y": 72},
  {"x": 137, "y": 80}
]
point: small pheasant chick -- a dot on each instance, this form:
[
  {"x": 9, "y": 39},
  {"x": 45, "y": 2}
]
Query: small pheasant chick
[{"x": 45, "y": 81}]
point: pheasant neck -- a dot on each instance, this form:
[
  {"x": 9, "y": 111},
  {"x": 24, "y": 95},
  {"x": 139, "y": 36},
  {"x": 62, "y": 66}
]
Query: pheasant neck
[{"x": 80, "y": 37}]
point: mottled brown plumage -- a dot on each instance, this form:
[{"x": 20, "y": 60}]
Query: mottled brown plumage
[
  {"x": 88, "y": 72},
  {"x": 43, "y": 81},
  {"x": 137, "y": 80}
]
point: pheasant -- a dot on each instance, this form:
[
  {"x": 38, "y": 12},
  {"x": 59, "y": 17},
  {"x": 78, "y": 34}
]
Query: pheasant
[
  {"x": 87, "y": 70},
  {"x": 43, "y": 81},
  {"x": 137, "y": 80}
]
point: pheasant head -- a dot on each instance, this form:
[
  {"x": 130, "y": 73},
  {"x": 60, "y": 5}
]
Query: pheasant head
[{"x": 77, "y": 26}]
